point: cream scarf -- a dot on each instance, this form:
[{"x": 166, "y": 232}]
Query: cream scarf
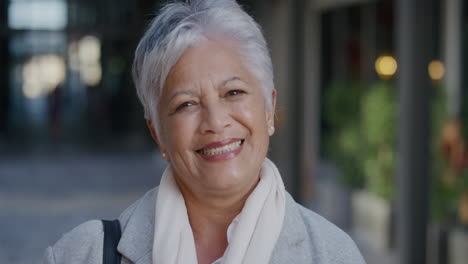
[{"x": 253, "y": 239}]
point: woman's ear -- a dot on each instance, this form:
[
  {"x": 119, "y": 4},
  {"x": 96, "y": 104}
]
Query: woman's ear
[
  {"x": 154, "y": 135},
  {"x": 152, "y": 130},
  {"x": 271, "y": 114}
]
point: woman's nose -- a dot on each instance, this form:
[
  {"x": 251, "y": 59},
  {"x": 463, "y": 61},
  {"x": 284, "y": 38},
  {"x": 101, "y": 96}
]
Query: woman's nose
[{"x": 215, "y": 118}]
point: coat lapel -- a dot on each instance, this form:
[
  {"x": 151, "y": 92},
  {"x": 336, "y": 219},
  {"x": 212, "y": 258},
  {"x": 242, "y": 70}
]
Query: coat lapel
[
  {"x": 137, "y": 222},
  {"x": 293, "y": 242}
]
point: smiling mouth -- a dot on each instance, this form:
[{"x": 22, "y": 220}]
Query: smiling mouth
[{"x": 221, "y": 150}]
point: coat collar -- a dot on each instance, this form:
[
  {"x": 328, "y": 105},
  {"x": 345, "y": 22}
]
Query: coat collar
[
  {"x": 137, "y": 223},
  {"x": 293, "y": 237}
]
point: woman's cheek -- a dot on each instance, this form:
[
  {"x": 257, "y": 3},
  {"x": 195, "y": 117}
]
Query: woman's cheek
[
  {"x": 182, "y": 128},
  {"x": 250, "y": 111},
  {"x": 244, "y": 108}
]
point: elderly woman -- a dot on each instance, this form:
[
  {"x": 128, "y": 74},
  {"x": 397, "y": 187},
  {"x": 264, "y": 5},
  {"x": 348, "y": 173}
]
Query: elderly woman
[{"x": 204, "y": 76}]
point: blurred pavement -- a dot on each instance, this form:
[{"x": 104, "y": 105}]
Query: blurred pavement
[{"x": 43, "y": 197}]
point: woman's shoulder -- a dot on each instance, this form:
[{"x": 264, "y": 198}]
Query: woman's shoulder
[
  {"x": 84, "y": 243},
  {"x": 316, "y": 223},
  {"x": 325, "y": 242}
]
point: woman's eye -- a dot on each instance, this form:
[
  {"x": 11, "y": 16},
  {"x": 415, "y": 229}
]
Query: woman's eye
[
  {"x": 184, "y": 105},
  {"x": 235, "y": 92}
]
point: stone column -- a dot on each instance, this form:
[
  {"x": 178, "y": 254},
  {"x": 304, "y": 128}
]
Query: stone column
[
  {"x": 280, "y": 40},
  {"x": 453, "y": 54},
  {"x": 310, "y": 100},
  {"x": 413, "y": 36}
]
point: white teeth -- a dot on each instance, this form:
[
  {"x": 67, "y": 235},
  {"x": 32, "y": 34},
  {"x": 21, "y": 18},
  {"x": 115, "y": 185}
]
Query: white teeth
[{"x": 221, "y": 150}]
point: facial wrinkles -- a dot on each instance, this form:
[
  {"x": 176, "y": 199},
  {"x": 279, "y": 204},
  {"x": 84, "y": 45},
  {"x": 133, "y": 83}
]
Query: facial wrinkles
[
  {"x": 203, "y": 91},
  {"x": 203, "y": 77},
  {"x": 215, "y": 112},
  {"x": 212, "y": 104},
  {"x": 207, "y": 95}
]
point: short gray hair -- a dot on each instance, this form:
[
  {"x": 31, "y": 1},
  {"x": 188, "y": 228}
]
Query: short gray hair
[{"x": 182, "y": 24}]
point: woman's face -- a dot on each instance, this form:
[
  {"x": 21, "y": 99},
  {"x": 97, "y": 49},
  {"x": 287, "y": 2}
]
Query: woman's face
[{"x": 214, "y": 125}]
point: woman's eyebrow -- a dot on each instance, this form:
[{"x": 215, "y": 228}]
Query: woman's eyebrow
[
  {"x": 193, "y": 93},
  {"x": 234, "y": 78},
  {"x": 180, "y": 92}
]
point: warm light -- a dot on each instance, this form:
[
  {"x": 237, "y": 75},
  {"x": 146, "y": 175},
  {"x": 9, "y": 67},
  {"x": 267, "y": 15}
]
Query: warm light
[
  {"x": 436, "y": 70},
  {"x": 89, "y": 50},
  {"x": 386, "y": 66},
  {"x": 85, "y": 57},
  {"x": 42, "y": 74},
  {"x": 91, "y": 74},
  {"x": 32, "y": 90}
]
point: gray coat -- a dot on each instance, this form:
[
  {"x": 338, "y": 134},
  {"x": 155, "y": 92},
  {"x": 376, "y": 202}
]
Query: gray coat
[{"x": 305, "y": 238}]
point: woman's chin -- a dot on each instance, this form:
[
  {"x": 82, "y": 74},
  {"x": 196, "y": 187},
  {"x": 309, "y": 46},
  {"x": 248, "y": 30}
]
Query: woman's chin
[{"x": 229, "y": 181}]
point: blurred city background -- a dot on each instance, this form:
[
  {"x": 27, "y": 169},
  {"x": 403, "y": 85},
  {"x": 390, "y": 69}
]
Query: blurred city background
[{"x": 371, "y": 123}]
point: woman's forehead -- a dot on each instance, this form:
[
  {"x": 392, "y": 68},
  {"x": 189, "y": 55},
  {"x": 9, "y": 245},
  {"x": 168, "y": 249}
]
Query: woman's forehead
[{"x": 212, "y": 61}]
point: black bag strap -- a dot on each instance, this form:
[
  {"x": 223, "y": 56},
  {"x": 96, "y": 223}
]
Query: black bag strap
[{"x": 112, "y": 235}]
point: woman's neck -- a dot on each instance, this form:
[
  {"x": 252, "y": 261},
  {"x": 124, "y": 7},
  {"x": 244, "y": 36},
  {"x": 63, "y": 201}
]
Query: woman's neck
[
  {"x": 210, "y": 217},
  {"x": 210, "y": 220}
]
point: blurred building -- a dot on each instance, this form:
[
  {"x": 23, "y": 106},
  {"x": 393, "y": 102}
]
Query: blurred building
[
  {"x": 66, "y": 70},
  {"x": 383, "y": 82}
]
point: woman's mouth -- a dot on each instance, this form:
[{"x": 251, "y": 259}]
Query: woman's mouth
[{"x": 215, "y": 152}]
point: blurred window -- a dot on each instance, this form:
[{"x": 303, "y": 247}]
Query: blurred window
[
  {"x": 37, "y": 14},
  {"x": 68, "y": 68}
]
